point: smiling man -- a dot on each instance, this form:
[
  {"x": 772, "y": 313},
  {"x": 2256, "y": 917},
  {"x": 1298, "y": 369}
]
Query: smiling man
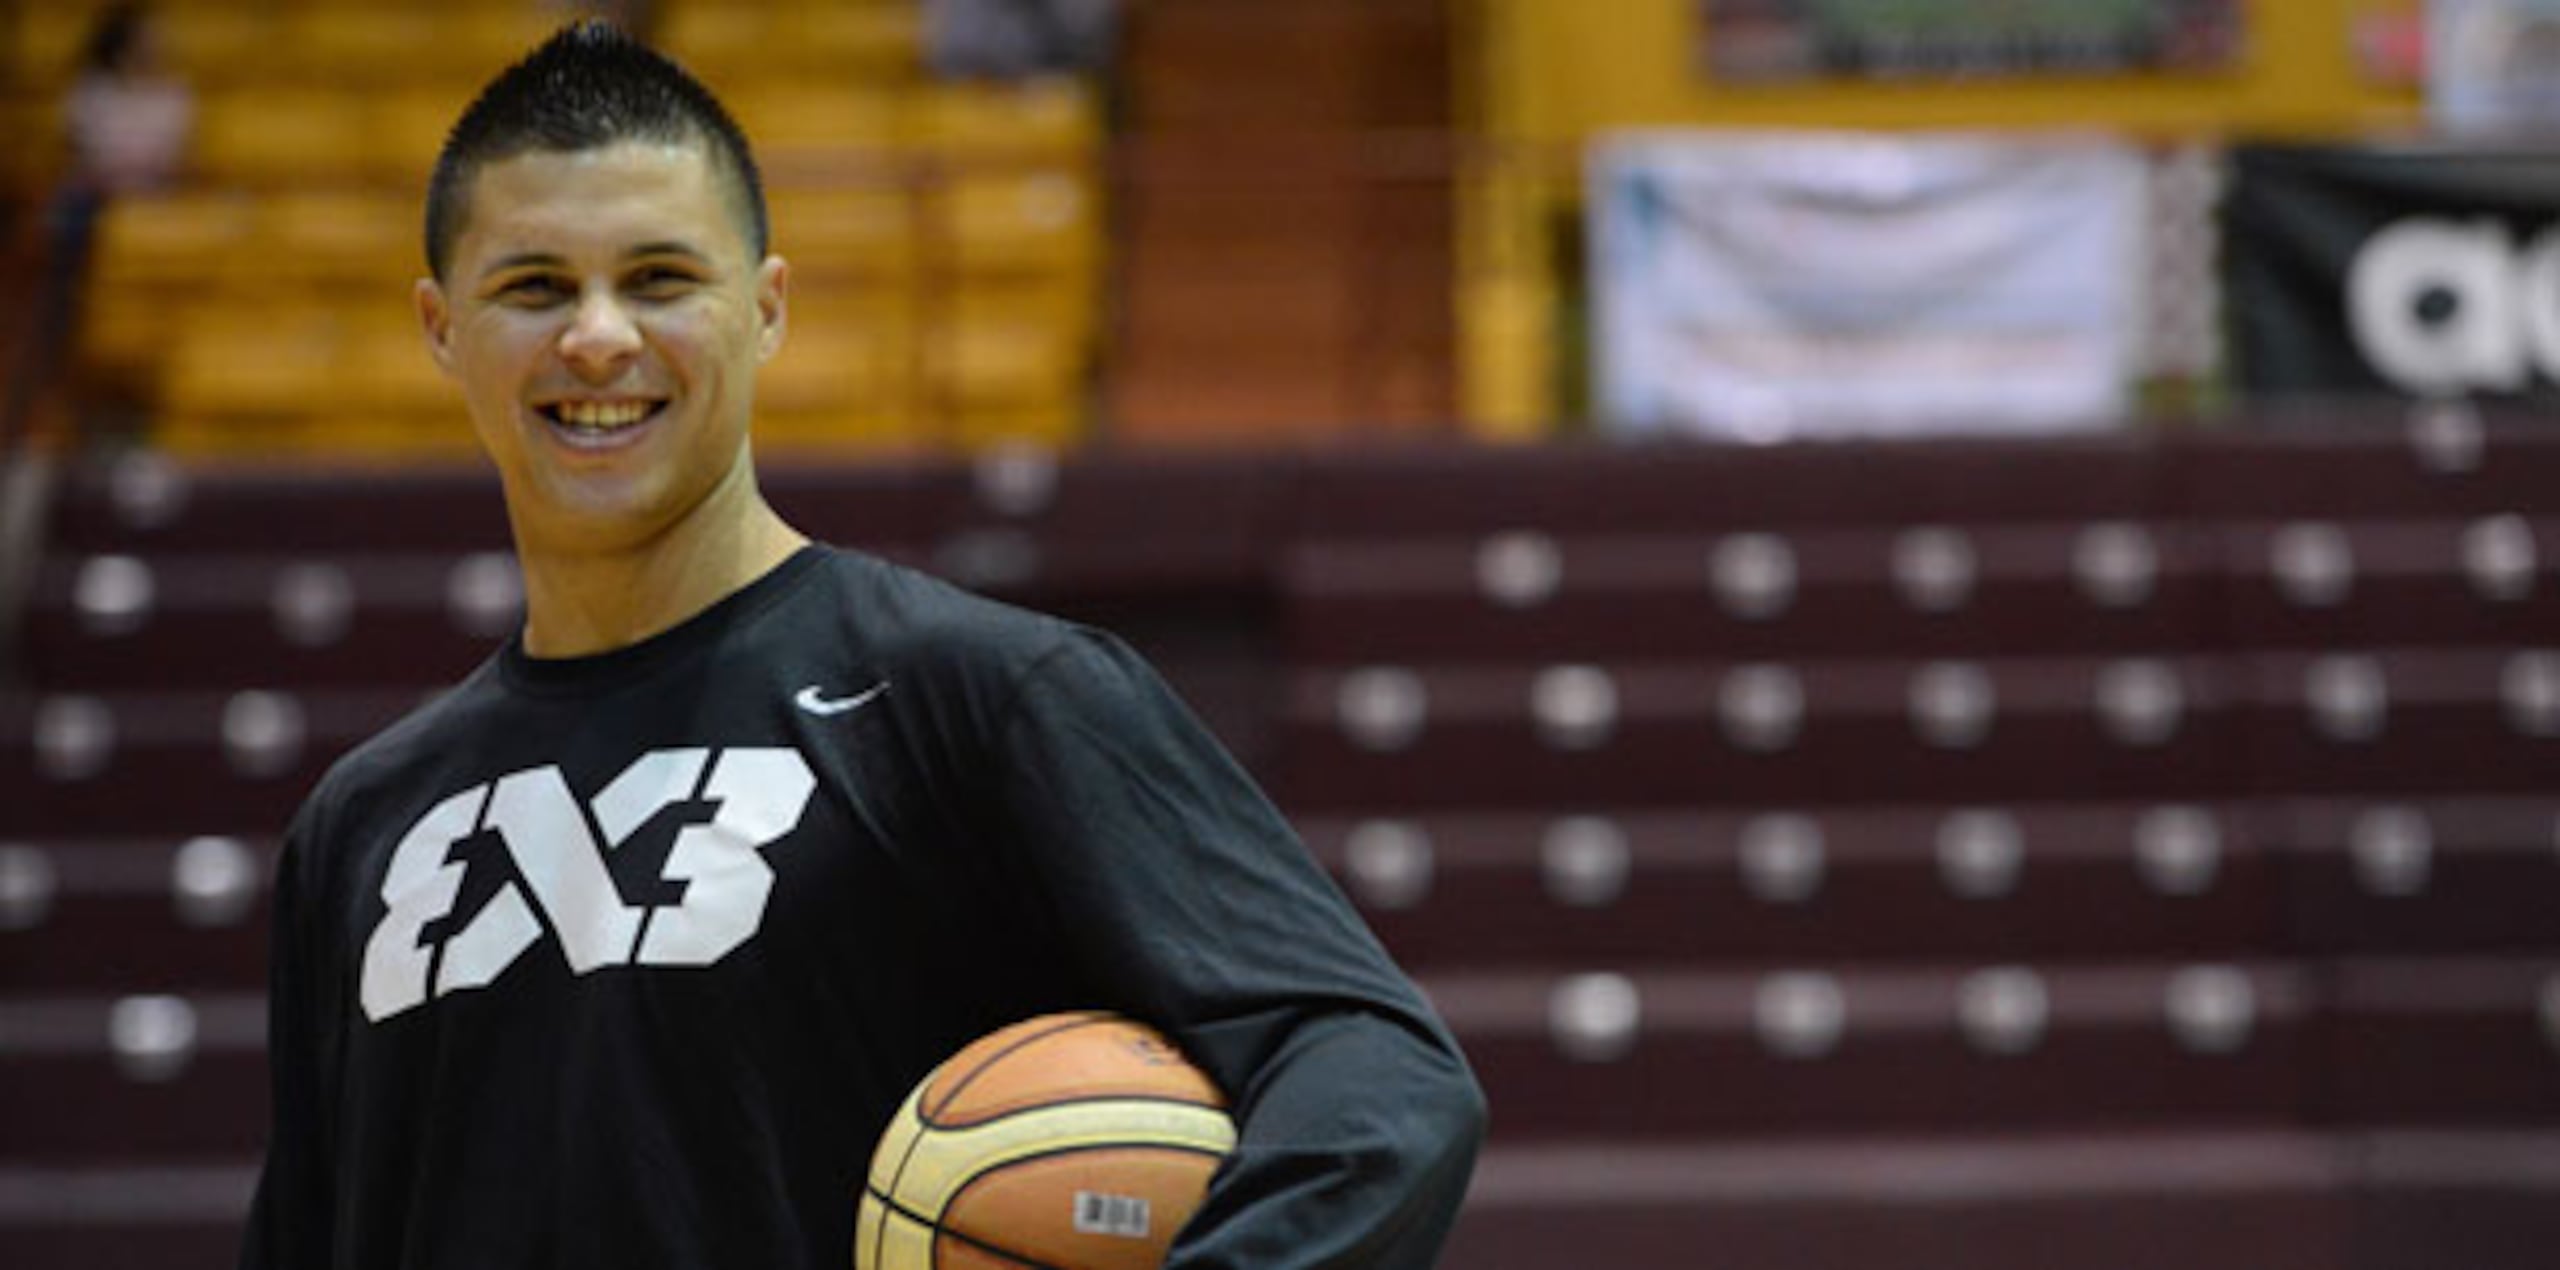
[
  {"x": 621, "y": 953},
  {"x": 601, "y": 290}
]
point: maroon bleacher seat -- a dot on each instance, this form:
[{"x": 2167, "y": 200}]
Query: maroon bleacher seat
[
  {"x": 2079, "y": 883},
  {"x": 1958, "y": 856}
]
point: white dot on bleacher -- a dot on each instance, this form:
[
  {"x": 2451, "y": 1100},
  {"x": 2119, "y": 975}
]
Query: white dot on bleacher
[
  {"x": 1753, "y": 575},
  {"x": 1953, "y": 704},
  {"x": 313, "y": 604},
  {"x": 1575, "y": 707},
  {"x": 1934, "y": 568},
  {"x": 1760, "y": 707},
  {"x": 1981, "y": 854},
  {"x": 1783, "y": 857},
  {"x": 112, "y": 595},
  {"x": 484, "y": 594},
  {"x": 262, "y": 732},
  {"x": 1584, "y": 861},
  {"x": 991, "y": 557},
  {"x": 2115, "y": 564},
  {"x": 1051, "y": 202},
  {"x": 2141, "y": 701},
  {"x": 2529, "y": 689},
  {"x": 153, "y": 1038},
  {"x": 1016, "y": 479},
  {"x": 2003, "y": 1010},
  {"x": 148, "y": 490},
  {"x": 2499, "y": 558},
  {"x": 75, "y": 737},
  {"x": 1799, "y": 1014},
  {"x": 1519, "y": 568},
  {"x": 1382, "y": 707},
  {"x": 2446, "y": 435},
  {"x": 2393, "y": 850},
  {"x": 1388, "y": 863},
  {"x": 28, "y": 884},
  {"x": 213, "y": 881},
  {"x": 1595, "y": 1018},
  {"x": 2178, "y": 849},
  {"x": 2348, "y": 697},
  {"x": 2313, "y": 563},
  {"x": 2211, "y": 1009}
]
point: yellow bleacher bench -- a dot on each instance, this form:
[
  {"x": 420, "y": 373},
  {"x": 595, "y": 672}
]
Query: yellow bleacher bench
[
  {"x": 968, "y": 124},
  {"x": 278, "y": 136},
  {"x": 843, "y": 235},
  {"x": 1045, "y": 220}
]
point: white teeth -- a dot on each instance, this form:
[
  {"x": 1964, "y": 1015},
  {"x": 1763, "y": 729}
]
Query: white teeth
[{"x": 602, "y": 414}]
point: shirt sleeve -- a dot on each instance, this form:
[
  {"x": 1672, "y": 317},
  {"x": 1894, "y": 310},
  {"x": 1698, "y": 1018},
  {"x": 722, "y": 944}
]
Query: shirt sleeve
[
  {"x": 1175, "y": 883},
  {"x": 291, "y": 1219}
]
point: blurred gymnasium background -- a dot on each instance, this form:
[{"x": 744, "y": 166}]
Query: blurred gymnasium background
[{"x": 1932, "y": 623}]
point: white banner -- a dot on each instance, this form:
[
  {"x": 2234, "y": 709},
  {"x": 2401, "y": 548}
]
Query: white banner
[
  {"x": 2493, "y": 66},
  {"x": 1770, "y": 287}
]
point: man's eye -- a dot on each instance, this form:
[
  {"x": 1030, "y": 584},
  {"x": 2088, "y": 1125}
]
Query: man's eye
[
  {"x": 661, "y": 283},
  {"x": 535, "y": 290}
]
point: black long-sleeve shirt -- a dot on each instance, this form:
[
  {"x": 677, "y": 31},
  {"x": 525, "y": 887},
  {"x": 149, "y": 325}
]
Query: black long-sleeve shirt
[{"x": 625, "y": 960}]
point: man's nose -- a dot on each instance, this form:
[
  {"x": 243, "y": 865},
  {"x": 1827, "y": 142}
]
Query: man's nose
[{"x": 601, "y": 336}]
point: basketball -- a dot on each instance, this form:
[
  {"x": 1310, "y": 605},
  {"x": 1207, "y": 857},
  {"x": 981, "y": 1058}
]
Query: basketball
[{"x": 1078, "y": 1141}]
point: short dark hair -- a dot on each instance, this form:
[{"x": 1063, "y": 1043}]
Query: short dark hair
[
  {"x": 115, "y": 35},
  {"x": 590, "y": 85}
]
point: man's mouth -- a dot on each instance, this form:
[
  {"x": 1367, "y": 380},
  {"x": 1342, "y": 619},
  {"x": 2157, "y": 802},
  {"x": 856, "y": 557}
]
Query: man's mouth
[{"x": 598, "y": 420}]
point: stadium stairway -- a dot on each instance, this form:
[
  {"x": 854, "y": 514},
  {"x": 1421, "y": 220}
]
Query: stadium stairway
[{"x": 1956, "y": 854}]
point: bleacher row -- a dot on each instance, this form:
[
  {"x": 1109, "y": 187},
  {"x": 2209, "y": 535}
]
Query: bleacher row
[
  {"x": 2099, "y": 852},
  {"x": 222, "y": 43},
  {"x": 946, "y": 237}
]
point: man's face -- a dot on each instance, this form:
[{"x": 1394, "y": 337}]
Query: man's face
[{"x": 605, "y": 320}]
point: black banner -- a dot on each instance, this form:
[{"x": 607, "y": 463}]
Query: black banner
[{"x": 2415, "y": 271}]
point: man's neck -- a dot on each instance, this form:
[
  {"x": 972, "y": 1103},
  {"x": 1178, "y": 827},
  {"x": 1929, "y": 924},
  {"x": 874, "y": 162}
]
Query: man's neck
[{"x": 582, "y": 599}]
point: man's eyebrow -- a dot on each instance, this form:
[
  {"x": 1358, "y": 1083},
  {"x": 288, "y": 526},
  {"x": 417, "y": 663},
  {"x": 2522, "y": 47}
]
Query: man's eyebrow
[
  {"x": 668, "y": 247},
  {"x": 524, "y": 260},
  {"x": 554, "y": 260}
]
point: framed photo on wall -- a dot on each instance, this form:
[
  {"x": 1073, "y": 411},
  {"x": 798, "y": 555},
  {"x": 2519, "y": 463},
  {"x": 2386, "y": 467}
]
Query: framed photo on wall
[{"x": 1769, "y": 41}]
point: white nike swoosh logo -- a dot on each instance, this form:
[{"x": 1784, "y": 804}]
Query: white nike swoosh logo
[{"x": 811, "y": 701}]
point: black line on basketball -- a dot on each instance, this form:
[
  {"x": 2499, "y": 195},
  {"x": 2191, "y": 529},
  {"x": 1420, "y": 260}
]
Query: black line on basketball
[
  {"x": 926, "y": 1114},
  {"x": 1077, "y": 1101},
  {"x": 1000, "y": 1250},
  {"x": 1068, "y": 1024},
  {"x": 938, "y": 1230}
]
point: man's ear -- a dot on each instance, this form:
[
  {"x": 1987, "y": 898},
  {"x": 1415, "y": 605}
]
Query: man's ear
[
  {"x": 435, "y": 318},
  {"x": 773, "y": 305}
]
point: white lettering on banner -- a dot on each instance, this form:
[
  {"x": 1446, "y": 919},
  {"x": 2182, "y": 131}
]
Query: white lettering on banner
[
  {"x": 758, "y": 796},
  {"x": 2499, "y": 307}
]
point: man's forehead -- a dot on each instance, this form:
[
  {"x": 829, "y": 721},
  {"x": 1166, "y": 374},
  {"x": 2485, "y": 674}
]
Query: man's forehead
[
  {"x": 639, "y": 189},
  {"x": 542, "y": 175}
]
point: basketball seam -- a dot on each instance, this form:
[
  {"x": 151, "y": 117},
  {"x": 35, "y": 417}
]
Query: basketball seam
[
  {"x": 880, "y": 1239},
  {"x": 1065, "y": 1025},
  {"x": 1187, "y": 1126},
  {"x": 1164, "y": 1100},
  {"x": 926, "y": 1114},
  {"x": 936, "y": 1227}
]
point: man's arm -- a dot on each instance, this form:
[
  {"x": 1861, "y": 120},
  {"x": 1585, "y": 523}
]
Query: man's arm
[
  {"x": 1357, "y": 1142},
  {"x": 1175, "y": 884}
]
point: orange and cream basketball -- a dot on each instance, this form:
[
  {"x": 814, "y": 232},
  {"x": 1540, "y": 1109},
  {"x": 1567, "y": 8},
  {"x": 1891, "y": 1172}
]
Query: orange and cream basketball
[{"x": 1078, "y": 1141}]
